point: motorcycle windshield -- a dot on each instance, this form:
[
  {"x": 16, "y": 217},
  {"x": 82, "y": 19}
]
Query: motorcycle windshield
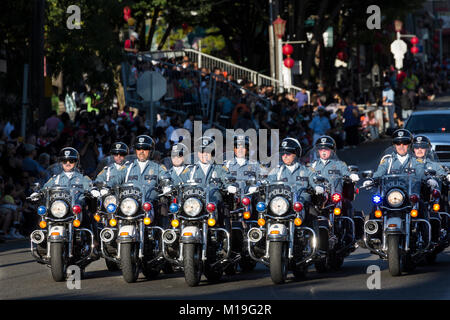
[{"x": 397, "y": 187}]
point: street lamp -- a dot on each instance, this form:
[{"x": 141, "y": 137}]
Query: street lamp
[{"x": 279, "y": 26}]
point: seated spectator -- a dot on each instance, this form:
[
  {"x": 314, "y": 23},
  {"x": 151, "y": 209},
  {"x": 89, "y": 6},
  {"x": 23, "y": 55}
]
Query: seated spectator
[{"x": 11, "y": 214}]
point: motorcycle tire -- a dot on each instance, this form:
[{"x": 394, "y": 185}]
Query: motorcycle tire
[
  {"x": 192, "y": 263},
  {"x": 57, "y": 261},
  {"x": 111, "y": 265},
  {"x": 278, "y": 261},
  {"x": 128, "y": 262},
  {"x": 394, "y": 255}
]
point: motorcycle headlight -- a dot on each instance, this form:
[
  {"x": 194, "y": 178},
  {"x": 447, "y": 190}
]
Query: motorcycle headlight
[
  {"x": 192, "y": 207},
  {"x": 395, "y": 198},
  {"x": 59, "y": 209},
  {"x": 128, "y": 206},
  {"x": 108, "y": 200},
  {"x": 104, "y": 191},
  {"x": 279, "y": 206}
]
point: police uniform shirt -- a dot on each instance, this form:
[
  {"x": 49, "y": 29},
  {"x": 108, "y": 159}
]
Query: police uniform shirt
[
  {"x": 299, "y": 178},
  {"x": 145, "y": 175},
  {"x": 330, "y": 169},
  {"x": 392, "y": 163},
  {"x": 70, "y": 179},
  {"x": 178, "y": 174},
  {"x": 110, "y": 171},
  {"x": 242, "y": 169}
]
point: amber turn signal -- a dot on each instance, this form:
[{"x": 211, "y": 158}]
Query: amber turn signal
[{"x": 378, "y": 214}]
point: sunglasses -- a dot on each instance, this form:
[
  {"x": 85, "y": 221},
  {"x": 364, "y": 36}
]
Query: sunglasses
[
  {"x": 70, "y": 161},
  {"x": 119, "y": 154},
  {"x": 402, "y": 143},
  {"x": 141, "y": 148}
]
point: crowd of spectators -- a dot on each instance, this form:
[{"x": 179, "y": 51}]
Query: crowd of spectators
[{"x": 87, "y": 124}]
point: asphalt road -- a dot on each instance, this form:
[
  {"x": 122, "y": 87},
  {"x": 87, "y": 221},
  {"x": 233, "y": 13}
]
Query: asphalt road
[{"x": 22, "y": 278}]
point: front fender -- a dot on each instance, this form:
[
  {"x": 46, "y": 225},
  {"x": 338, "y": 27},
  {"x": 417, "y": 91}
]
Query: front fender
[
  {"x": 394, "y": 225},
  {"x": 277, "y": 232},
  {"x": 191, "y": 234},
  {"x": 57, "y": 234},
  {"x": 127, "y": 234}
]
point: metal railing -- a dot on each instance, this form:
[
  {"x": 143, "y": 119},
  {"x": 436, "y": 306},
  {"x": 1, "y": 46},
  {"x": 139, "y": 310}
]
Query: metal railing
[{"x": 210, "y": 62}]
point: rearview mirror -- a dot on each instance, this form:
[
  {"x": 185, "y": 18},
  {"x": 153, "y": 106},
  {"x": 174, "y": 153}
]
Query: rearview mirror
[{"x": 353, "y": 169}]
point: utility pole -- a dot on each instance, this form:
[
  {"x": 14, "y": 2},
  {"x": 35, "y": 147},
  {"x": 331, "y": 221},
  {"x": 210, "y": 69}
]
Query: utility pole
[
  {"x": 271, "y": 42},
  {"x": 37, "y": 60}
]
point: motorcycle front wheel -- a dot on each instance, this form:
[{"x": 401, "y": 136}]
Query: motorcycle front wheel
[
  {"x": 128, "y": 262},
  {"x": 57, "y": 261},
  {"x": 394, "y": 255},
  {"x": 278, "y": 261},
  {"x": 192, "y": 261}
]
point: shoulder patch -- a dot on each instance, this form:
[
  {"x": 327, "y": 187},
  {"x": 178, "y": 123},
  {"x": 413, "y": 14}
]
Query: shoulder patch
[
  {"x": 383, "y": 160},
  {"x": 225, "y": 168},
  {"x": 186, "y": 170},
  {"x": 163, "y": 167}
]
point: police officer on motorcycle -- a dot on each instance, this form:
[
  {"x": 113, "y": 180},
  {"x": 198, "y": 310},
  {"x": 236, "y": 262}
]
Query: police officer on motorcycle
[
  {"x": 329, "y": 166},
  {"x": 395, "y": 160},
  {"x": 423, "y": 159},
  {"x": 295, "y": 174},
  {"x": 206, "y": 172},
  {"x": 70, "y": 177},
  {"x": 177, "y": 156},
  {"x": 241, "y": 167},
  {"x": 119, "y": 151},
  {"x": 144, "y": 173}
]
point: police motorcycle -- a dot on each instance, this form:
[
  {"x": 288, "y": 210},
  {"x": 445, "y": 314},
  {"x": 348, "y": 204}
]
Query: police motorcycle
[
  {"x": 339, "y": 225},
  {"x": 281, "y": 241},
  {"x": 434, "y": 181},
  {"x": 195, "y": 242},
  {"x": 244, "y": 173},
  {"x": 131, "y": 240},
  {"x": 101, "y": 193},
  {"x": 61, "y": 240},
  {"x": 395, "y": 232}
]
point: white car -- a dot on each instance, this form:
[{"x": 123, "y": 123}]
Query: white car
[{"x": 435, "y": 124}]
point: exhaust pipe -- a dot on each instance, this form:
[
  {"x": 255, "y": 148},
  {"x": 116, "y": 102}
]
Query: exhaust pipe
[
  {"x": 254, "y": 235},
  {"x": 37, "y": 236},
  {"x": 107, "y": 235},
  {"x": 169, "y": 236},
  {"x": 371, "y": 227}
]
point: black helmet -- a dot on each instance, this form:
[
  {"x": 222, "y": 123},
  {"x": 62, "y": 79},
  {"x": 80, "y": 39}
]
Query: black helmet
[
  {"x": 241, "y": 140},
  {"x": 205, "y": 144},
  {"x": 402, "y": 136},
  {"x": 291, "y": 145},
  {"x": 69, "y": 153},
  {"x": 119, "y": 148},
  {"x": 325, "y": 142},
  {"x": 144, "y": 142},
  {"x": 421, "y": 141},
  {"x": 179, "y": 150}
]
